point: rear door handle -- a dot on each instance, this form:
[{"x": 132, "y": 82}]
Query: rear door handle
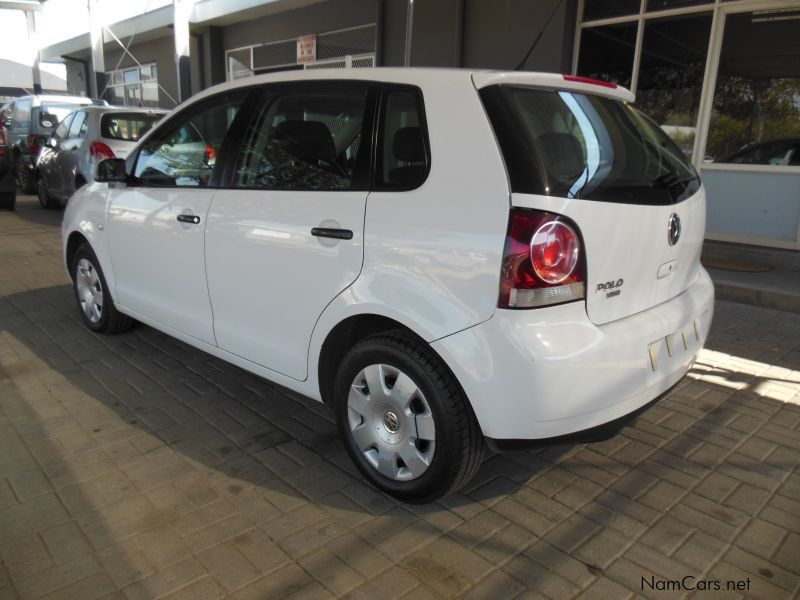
[
  {"x": 329, "y": 232},
  {"x": 193, "y": 219}
]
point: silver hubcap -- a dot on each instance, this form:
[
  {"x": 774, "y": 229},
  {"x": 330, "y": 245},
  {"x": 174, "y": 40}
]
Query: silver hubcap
[
  {"x": 391, "y": 422},
  {"x": 90, "y": 290}
]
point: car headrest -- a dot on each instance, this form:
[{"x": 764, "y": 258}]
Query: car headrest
[
  {"x": 307, "y": 140},
  {"x": 564, "y": 155},
  {"x": 408, "y": 145}
]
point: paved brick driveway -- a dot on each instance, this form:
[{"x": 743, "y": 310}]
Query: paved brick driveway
[{"x": 135, "y": 466}]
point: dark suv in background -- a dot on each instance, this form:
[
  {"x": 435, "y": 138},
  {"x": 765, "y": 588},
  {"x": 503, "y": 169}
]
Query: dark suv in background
[{"x": 30, "y": 121}]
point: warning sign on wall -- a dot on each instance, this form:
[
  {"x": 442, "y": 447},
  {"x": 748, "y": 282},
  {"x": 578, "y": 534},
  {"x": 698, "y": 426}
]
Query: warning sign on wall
[{"x": 306, "y": 48}]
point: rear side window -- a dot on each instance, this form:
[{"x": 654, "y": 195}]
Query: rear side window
[
  {"x": 304, "y": 141},
  {"x": 403, "y": 161},
  {"x": 574, "y": 145},
  {"x": 78, "y": 126},
  {"x": 22, "y": 112},
  {"x": 54, "y": 113},
  {"x": 127, "y": 127}
]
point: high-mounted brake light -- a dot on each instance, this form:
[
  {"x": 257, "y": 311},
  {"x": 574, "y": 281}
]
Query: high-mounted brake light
[
  {"x": 542, "y": 262},
  {"x": 590, "y": 81},
  {"x": 100, "y": 150},
  {"x": 209, "y": 156}
]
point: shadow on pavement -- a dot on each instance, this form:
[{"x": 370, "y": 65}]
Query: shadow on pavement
[{"x": 188, "y": 430}]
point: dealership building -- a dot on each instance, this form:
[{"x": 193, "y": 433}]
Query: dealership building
[{"x": 722, "y": 77}]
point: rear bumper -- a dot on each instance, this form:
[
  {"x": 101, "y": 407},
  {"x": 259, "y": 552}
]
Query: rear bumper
[{"x": 538, "y": 374}]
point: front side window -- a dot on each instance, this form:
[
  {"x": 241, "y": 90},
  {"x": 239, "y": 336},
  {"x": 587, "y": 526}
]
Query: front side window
[
  {"x": 184, "y": 151},
  {"x": 304, "y": 142},
  {"x": 403, "y": 158}
]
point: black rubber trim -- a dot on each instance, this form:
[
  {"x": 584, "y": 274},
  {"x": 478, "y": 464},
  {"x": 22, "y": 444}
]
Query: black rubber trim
[{"x": 586, "y": 436}]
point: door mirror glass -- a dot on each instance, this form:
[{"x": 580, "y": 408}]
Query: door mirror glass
[{"x": 111, "y": 170}]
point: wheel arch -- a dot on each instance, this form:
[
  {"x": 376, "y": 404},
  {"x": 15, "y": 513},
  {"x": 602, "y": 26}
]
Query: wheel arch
[{"x": 75, "y": 239}]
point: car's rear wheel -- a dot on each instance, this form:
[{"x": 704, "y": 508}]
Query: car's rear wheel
[
  {"x": 405, "y": 420},
  {"x": 45, "y": 199},
  {"x": 8, "y": 200},
  {"x": 96, "y": 306}
]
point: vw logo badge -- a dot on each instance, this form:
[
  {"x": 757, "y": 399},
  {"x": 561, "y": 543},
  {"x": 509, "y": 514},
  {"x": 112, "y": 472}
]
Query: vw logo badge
[{"x": 674, "y": 229}]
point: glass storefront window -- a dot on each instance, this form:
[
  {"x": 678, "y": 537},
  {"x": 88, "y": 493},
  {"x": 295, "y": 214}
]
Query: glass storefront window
[
  {"x": 671, "y": 71},
  {"x": 755, "y": 117},
  {"x": 604, "y": 9},
  {"x": 606, "y": 53},
  {"x": 653, "y": 5},
  {"x": 136, "y": 86}
]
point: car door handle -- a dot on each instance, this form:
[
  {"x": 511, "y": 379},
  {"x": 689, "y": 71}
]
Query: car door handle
[
  {"x": 330, "y": 232},
  {"x": 193, "y": 219}
]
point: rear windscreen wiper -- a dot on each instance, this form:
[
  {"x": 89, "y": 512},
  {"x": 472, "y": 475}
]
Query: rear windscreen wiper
[{"x": 671, "y": 179}]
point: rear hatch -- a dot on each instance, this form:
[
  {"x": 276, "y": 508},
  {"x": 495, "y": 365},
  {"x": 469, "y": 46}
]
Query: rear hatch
[
  {"x": 585, "y": 152},
  {"x": 121, "y": 130}
]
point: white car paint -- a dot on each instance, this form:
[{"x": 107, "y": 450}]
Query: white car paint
[{"x": 429, "y": 258}]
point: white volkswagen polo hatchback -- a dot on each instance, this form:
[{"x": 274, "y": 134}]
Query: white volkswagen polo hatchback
[{"x": 452, "y": 260}]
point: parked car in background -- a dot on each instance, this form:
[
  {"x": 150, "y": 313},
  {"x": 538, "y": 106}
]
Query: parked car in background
[
  {"x": 8, "y": 185},
  {"x": 32, "y": 119},
  {"x": 782, "y": 152},
  {"x": 450, "y": 259},
  {"x": 81, "y": 140}
]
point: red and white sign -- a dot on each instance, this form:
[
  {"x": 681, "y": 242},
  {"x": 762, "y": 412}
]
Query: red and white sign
[{"x": 307, "y": 48}]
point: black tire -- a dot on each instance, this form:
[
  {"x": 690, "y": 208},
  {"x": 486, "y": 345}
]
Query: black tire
[
  {"x": 459, "y": 445},
  {"x": 45, "y": 199},
  {"x": 8, "y": 200},
  {"x": 25, "y": 179},
  {"x": 110, "y": 321}
]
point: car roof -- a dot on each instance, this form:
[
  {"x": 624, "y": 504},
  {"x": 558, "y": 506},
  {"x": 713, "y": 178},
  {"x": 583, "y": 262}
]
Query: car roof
[
  {"x": 433, "y": 77},
  {"x": 124, "y": 109}
]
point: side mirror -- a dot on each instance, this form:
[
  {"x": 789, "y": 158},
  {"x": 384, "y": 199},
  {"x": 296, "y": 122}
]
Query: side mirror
[
  {"x": 52, "y": 142},
  {"x": 48, "y": 120},
  {"x": 111, "y": 170}
]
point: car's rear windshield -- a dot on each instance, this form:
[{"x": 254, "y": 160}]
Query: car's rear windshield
[
  {"x": 575, "y": 145},
  {"x": 59, "y": 110},
  {"x": 128, "y": 127}
]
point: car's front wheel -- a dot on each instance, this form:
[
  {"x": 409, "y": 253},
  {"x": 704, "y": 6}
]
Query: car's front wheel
[
  {"x": 405, "y": 420},
  {"x": 96, "y": 306}
]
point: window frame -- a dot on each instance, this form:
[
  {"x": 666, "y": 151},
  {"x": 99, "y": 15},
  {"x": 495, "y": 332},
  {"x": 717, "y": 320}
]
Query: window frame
[
  {"x": 377, "y": 167},
  {"x": 273, "y": 92}
]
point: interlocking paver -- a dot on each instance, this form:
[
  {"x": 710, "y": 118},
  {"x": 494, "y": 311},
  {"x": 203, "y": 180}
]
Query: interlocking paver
[{"x": 135, "y": 466}]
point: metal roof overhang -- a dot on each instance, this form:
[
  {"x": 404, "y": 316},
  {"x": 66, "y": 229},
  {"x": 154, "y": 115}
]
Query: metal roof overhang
[{"x": 157, "y": 23}]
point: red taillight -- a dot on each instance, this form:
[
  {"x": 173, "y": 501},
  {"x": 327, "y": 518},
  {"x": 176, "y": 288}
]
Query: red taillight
[
  {"x": 542, "y": 261},
  {"x": 33, "y": 144},
  {"x": 100, "y": 151},
  {"x": 590, "y": 81},
  {"x": 210, "y": 156},
  {"x": 3, "y": 140}
]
